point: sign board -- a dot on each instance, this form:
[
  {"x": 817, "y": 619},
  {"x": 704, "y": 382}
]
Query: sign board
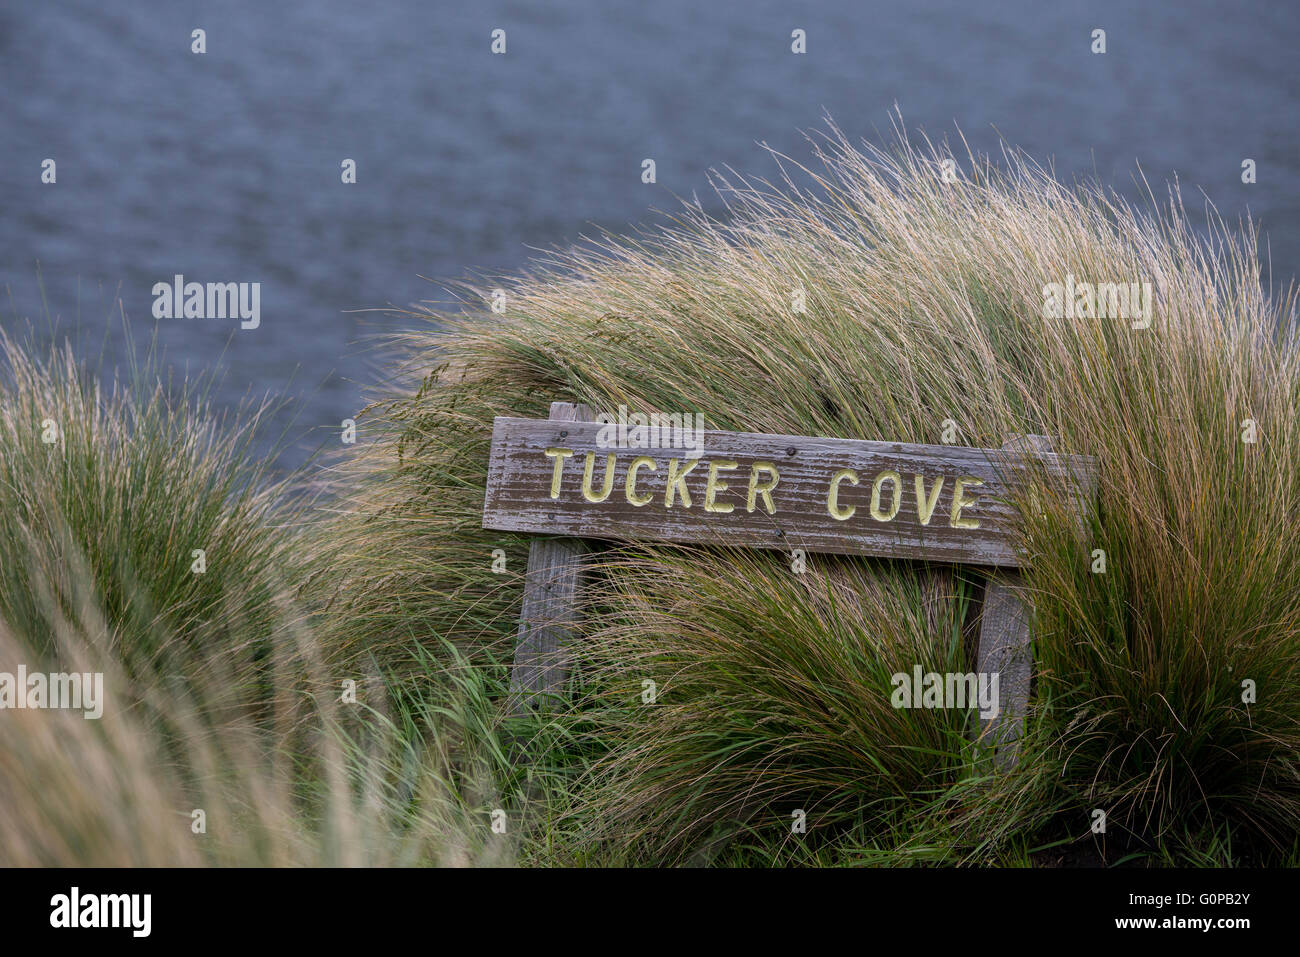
[
  {"x": 563, "y": 477},
  {"x": 847, "y": 496}
]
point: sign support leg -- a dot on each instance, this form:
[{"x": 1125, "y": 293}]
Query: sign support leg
[
  {"x": 1004, "y": 646},
  {"x": 550, "y": 607}
]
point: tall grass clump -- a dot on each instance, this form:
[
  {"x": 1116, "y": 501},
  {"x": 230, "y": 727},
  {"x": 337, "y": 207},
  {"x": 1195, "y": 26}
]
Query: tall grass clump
[
  {"x": 125, "y": 482},
  {"x": 197, "y": 772},
  {"x": 220, "y": 738},
  {"x": 791, "y": 674},
  {"x": 924, "y": 303}
]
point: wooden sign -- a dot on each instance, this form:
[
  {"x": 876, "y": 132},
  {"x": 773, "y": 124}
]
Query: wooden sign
[
  {"x": 560, "y": 477},
  {"x": 937, "y": 502}
]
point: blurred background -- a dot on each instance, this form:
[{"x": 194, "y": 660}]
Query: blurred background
[{"x": 225, "y": 167}]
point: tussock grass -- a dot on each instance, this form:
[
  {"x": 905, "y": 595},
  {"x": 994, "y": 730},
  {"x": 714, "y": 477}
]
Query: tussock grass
[
  {"x": 924, "y": 303},
  {"x": 216, "y": 698},
  {"x": 772, "y": 689},
  {"x": 191, "y": 773},
  {"x": 122, "y": 482},
  {"x": 770, "y": 696}
]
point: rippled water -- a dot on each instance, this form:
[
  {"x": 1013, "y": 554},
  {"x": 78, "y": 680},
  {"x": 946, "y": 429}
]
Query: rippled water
[{"x": 225, "y": 166}]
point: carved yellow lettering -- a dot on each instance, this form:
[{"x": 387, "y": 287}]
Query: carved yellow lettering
[
  {"x": 712, "y": 489},
  {"x": 677, "y": 483},
  {"x": 833, "y": 498},
  {"x": 633, "y": 497},
  {"x": 559, "y": 455},
  {"x": 925, "y": 504},
  {"x": 896, "y": 498},
  {"x": 756, "y": 490},
  {"x": 960, "y": 500},
  {"x": 607, "y": 486}
]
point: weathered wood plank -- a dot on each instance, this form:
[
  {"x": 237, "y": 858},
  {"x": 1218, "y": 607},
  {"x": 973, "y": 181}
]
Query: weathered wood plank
[
  {"x": 941, "y": 503},
  {"x": 1005, "y": 648},
  {"x": 550, "y": 604}
]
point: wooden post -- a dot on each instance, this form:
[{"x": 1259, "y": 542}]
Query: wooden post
[
  {"x": 1004, "y": 646},
  {"x": 550, "y": 606},
  {"x": 822, "y": 483}
]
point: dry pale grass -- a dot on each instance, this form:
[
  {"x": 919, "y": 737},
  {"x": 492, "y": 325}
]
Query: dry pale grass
[{"x": 924, "y": 303}]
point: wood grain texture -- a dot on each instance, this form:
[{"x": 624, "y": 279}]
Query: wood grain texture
[
  {"x": 1005, "y": 646},
  {"x": 550, "y": 609},
  {"x": 518, "y": 495}
]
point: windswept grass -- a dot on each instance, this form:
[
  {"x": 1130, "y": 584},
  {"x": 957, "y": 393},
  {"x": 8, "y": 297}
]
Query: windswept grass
[
  {"x": 924, "y": 303},
  {"x": 191, "y": 773},
  {"x": 223, "y": 740},
  {"x": 119, "y": 486},
  {"x": 923, "y": 308},
  {"x": 743, "y": 696}
]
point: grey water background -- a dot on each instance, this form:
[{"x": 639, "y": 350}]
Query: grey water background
[{"x": 226, "y": 166}]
